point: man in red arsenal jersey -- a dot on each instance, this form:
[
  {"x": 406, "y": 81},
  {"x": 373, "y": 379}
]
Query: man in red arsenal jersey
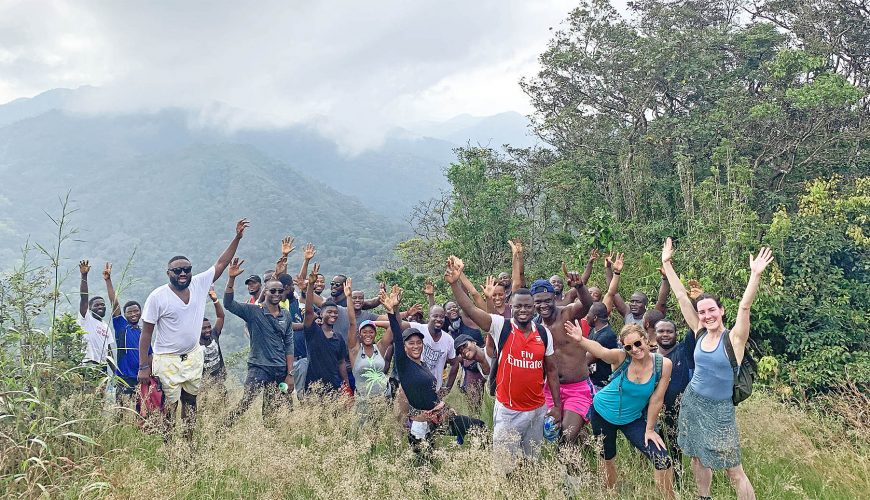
[{"x": 525, "y": 360}]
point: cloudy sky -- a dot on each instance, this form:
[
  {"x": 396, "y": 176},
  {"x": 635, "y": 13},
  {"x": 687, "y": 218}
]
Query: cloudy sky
[{"x": 353, "y": 67}]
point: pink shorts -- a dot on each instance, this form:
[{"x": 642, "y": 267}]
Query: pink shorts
[{"x": 576, "y": 397}]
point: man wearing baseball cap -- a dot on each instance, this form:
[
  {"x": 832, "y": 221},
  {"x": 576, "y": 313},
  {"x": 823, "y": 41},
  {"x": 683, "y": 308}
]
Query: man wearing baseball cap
[{"x": 254, "y": 284}]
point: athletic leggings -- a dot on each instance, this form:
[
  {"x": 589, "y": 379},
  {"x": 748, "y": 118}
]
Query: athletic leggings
[
  {"x": 457, "y": 425},
  {"x": 634, "y": 432}
]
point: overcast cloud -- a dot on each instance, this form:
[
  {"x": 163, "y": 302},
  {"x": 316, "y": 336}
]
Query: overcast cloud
[{"x": 353, "y": 68}]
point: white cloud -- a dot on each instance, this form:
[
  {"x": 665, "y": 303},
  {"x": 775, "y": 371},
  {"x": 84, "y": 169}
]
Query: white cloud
[{"x": 354, "y": 68}]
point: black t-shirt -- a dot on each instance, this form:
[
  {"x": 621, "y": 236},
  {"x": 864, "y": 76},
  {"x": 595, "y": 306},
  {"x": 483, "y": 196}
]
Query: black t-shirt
[
  {"x": 417, "y": 381},
  {"x": 683, "y": 360},
  {"x": 601, "y": 370},
  {"x": 324, "y": 355}
]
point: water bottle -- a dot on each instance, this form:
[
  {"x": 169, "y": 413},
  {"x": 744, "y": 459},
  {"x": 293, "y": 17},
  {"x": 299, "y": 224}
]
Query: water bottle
[
  {"x": 551, "y": 430},
  {"x": 283, "y": 387}
]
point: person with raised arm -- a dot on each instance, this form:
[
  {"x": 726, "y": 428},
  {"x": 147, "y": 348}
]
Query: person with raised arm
[
  {"x": 707, "y": 422},
  {"x": 632, "y": 313},
  {"x": 214, "y": 370},
  {"x": 367, "y": 358},
  {"x": 270, "y": 361},
  {"x": 173, "y": 316},
  {"x": 97, "y": 341},
  {"x": 458, "y": 324},
  {"x": 127, "y": 333},
  {"x": 524, "y": 359},
  {"x": 575, "y": 387},
  {"x": 428, "y": 411},
  {"x": 640, "y": 379},
  {"x": 327, "y": 351}
]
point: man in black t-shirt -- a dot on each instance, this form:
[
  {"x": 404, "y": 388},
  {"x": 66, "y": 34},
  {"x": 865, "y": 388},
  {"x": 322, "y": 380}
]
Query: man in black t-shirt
[
  {"x": 327, "y": 351},
  {"x": 682, "y": 356},
  {"x": 601, "y": 332}
]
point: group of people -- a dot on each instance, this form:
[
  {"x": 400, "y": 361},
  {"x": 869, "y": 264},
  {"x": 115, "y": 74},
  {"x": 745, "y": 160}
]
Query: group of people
[{"x": 545, "y": 352}]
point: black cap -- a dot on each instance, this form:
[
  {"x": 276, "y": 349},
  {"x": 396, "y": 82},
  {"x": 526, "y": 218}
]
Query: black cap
[
  {"x": 254, "y": 277},
  {"x": 411, "y": 331},
  {"x": 461, "y": 340}
]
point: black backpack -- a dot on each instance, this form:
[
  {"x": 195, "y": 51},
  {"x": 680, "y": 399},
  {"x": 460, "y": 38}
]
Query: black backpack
[
  {"x": 505, "y": 333},
  {"x": 744, "y": 373}
]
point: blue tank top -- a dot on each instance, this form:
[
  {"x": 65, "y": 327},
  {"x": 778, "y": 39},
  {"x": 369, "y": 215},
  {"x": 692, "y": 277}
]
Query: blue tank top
[
  {"x": 622, "y": 401},
  {"x": 713, "y": 377}
]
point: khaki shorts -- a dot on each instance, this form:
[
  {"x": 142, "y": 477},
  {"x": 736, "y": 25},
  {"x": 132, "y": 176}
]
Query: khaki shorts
[{"x": 179, "y": 372}]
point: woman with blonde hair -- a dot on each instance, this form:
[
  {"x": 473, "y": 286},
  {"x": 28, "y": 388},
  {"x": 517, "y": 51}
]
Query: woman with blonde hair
[{"x": 639, "y": 381}]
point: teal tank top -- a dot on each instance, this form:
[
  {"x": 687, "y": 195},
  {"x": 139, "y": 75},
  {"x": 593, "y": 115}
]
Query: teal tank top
[{"x": 622, "y": 401}]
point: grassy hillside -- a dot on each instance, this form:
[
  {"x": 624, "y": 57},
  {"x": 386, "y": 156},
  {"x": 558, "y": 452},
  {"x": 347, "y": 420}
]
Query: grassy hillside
[{"x": 320, "y": 451}]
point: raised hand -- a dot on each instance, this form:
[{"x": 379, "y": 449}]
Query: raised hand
[
  {"x": 84, "y": 267},
  {"x": 516, "y": 245},
  {"x": 453, "y": 272},
  {"x": 236, "y": 267},
  {"x": 308, "y": 251},
  {"x": 760, "y": 262},
  {"x": 312, "y": 277},
  {"x": 107, "y": 271},
  {"x": 390, "y": 301},
  {"x": 618, "y": 263},
  {"x": 594, "y": 254},
  {"x": 300, "y": 282},
  {"x": 564, "y": 269},
  {"x": 574, "y": 330},
  {"x": 428, "y": 287},
  {"x": 574, "y": 279},
  {"x": 488, "y": 287},
  {"x": 348, "y": 287},
  {"x": 287, "y": 246},
  {"x": 212, "y": 294},
  {"x": 667, "y": 250},
  {"x": 281, "y": 265},
  {"x": 415, "y": 309},
  {"x": 241, "y": 226}
]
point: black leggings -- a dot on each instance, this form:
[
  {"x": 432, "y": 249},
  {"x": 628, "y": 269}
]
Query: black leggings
[{"x": 634, "y": 432}]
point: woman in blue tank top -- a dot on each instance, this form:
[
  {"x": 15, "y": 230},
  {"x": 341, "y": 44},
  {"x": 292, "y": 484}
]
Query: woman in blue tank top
[
  {"x": 639, "y": 382},
  {"x": 707, "y": 421}
]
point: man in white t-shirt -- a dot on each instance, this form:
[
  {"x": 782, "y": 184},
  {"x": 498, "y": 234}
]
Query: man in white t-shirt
[
  {"x": 97, "y": 340},
  {"x": 173, "y": 315}
]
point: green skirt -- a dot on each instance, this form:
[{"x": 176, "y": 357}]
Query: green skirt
[{"x": 708, "y": 430}]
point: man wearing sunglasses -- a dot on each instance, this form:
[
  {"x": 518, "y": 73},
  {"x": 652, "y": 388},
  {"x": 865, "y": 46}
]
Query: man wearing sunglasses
[
  {"x": 173, "y": 317},
  {"x": 271, "y": 333}
]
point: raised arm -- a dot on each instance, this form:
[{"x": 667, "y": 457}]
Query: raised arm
[
  {"x": 110, "y": 290},
  {"x": 613, "y": 286},
  {"x": 308, "y": 253},
  {"x": 472, "y": 292},
  {"x": 664, "y": 291},
  {"x": 84, "y": 268},
  {"x": 352, "y": 334},
  {"x": 232, "y": 306},
  {"x": 220, "y": 317},
  {"x": 429, "y": 292},
  {"x": 740, "y": 333},
  {"x": 587, "y": 271},
  {"x": 609, "y": 273},
  {"x": 612, "y": 356},
  {"x": 452, "y": 275},
  {"x": 690, "y": 314},
  {"x": 578, "y": 310},
  {"x": 518, "y": 269},
  {"x": 226, "y": 257},
  {"x": 309, "y": 307}
]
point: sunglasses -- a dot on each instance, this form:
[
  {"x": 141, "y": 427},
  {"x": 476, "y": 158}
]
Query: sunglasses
[
  {"x": 334, "y": 283},
  {"x": 178, "y": 270},
  {"x": 637, "y": 343},
  {"x": 275, "y": 291}
]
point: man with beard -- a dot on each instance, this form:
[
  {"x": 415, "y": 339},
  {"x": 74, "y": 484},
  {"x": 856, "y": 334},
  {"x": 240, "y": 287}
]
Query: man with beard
[
  {"x": 270, "y": 361},
  {"x": 575, "y": 388},
  {"x": 173, "y": 316},
  {"x": 255, "y": 285},
  {"x": 524, "y": 358},
  {"x": 327, "y": 351},
  {"x": 682, "y": 358},
  {"x": 97, "y": 341}
]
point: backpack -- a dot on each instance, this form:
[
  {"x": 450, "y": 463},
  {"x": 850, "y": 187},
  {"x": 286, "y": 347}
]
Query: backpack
[
  {"x": 505, "y": 333},
  {"x": 744, "y": 373},
  {"x": 658, "y": 361}
]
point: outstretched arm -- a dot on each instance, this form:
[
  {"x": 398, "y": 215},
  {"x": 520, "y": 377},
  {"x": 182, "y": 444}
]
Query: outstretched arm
[
  {"x": 518, "y": 274},
  {"x": 612, "y": 356},
  {"x": 225, "y": 258},
  {"x": 614, "y": 283},
  {"x": 740, "y": 333},
  {"x": 352, "y": 334},
  {"x": 309, "y": 307},
  {"x": 84, "y": 268},
  {"x": 220, "y": 317},
  {"x": 308, "y": 253},
  {"x": 452, "y": 275},
  {"x": 587, "y": 271},
  {"x": 429, "y": 292},
  {"x": 609, "y": 273},
  {"x": 690, "y": 314},
  {"x": 110, "y": 290},
  {"x": 472, "y": 292},
  {"x": 664, "y": 290}
]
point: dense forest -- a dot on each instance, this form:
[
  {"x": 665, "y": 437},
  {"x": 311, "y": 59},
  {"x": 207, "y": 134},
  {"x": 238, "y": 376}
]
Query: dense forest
[{"x": 724, "y": 124}]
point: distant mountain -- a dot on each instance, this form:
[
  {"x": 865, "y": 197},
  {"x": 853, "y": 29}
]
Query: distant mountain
[{"x": 488, "y": 131}]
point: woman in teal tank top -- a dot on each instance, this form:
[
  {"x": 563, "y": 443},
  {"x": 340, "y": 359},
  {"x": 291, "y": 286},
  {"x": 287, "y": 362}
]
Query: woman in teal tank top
[{"x": 639, "y": 382}]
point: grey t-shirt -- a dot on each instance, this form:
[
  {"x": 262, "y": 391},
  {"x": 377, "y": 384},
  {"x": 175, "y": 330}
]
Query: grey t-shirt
[{"x": 631, "y": 319}]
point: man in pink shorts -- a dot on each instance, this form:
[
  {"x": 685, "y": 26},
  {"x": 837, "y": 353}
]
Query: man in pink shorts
[{"x": 575, "y": 388}]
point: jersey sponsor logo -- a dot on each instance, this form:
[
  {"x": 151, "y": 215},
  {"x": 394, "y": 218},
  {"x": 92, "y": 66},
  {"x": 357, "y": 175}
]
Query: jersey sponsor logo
[{"x": 525, "y": 361}]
